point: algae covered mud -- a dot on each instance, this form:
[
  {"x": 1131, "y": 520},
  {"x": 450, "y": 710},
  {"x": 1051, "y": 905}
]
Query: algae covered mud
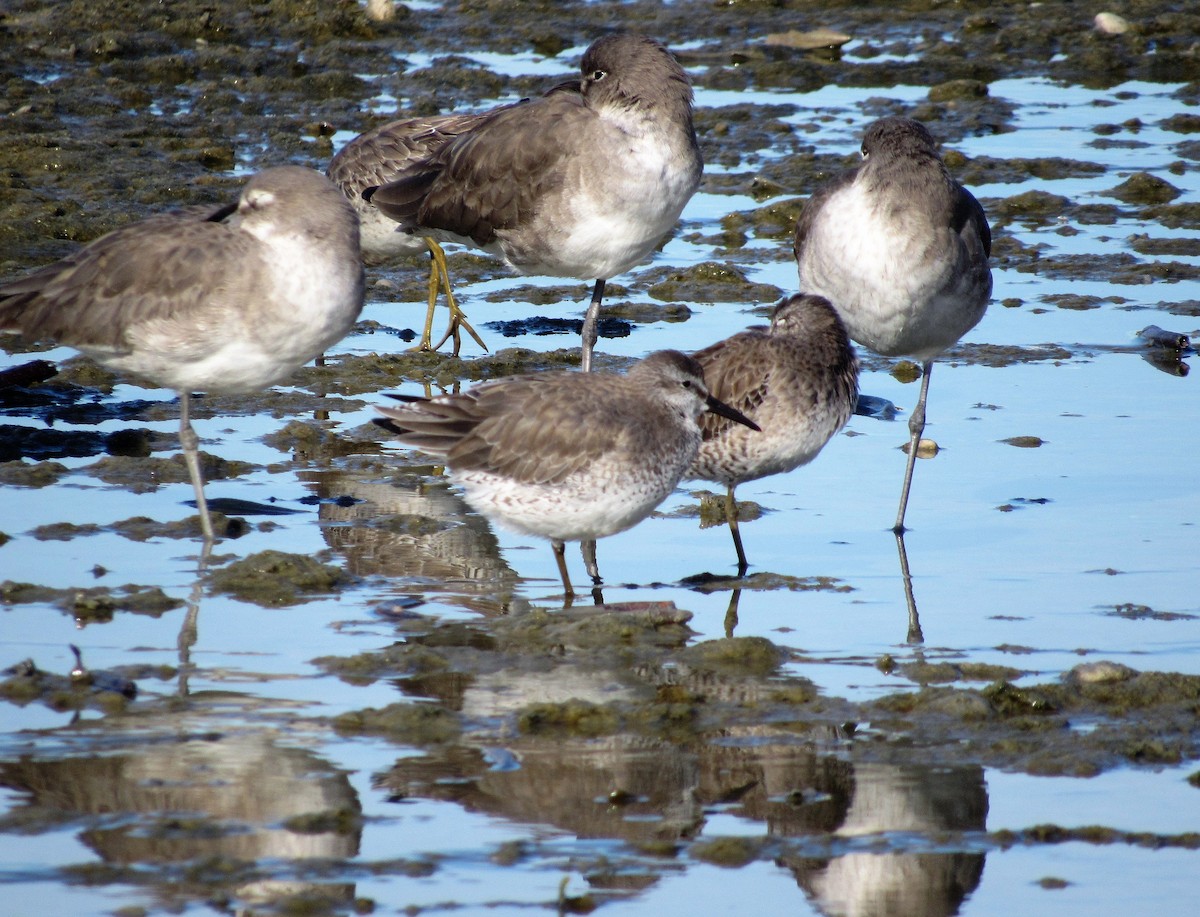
[{"x": 367, "y": 699}]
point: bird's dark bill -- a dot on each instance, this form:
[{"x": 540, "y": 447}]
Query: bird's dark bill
[{"x": 720, "y": 407}]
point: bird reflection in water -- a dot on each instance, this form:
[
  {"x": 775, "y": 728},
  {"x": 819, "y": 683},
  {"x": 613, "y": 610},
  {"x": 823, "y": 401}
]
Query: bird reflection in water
[
  {"x": 235, "y": 798},
  {"x": 419, "y": 532},
  {"x": 816, "y": 805}
]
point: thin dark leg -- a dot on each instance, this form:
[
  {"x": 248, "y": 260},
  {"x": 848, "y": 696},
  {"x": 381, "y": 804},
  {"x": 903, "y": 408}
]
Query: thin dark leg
[
  {"x": 916, "y": 426},
  {"x": 191, "y": 443},
  {"x": 561, "y": 560},
  {"x": 589, "y": 333},
  {"x": 731, "y": 516},
  {"x": 731, "y": 613},
  {"x": 914, "y": 622}
]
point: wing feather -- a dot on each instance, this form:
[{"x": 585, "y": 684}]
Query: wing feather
[
  {"x": 148, "y": 271},
  {"x": 494, "y": 427}
]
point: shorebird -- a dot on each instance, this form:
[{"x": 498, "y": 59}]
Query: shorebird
[
  {"x": 221, "y": 299},
  {"x": 563, "y": 455},
  {"x": 384, "y": 154},
  {"x": 901, "y": 250},
  {"x": 797, "y": 379},
  {"x": 379, "y": 156},
  {"x": 581, "y": 185}
]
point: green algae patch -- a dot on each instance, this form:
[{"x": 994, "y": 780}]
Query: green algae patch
[
  {"x": 958, "y": 90},
  {"x": 794, "y": 692},
  {"x": 142, "y": 528},
  {"x": 1175, "y": 216},
  {"x": 35, "y": 475},
  {"x": 728, "y": 852},
  {"x": 1144, "y": 244},
  {"x": 93, "y": 603},
  {"x": 377, "y": 372},
  {"x": 1009, "y": 700},
  {"x": 926, "y": 673},
  {"x": 408, "y": 660},
  {"x": 544, "y": 295},
  {"x": 736, "y": 656},
  {"x": 709, "y": 282},
  {"x": 274, "y": 578},
  {"x": 64, "y": 531},
  {"x": 906, "y": 371},
  {"x": 308, "y": 440},
  {"x": 1074, "y": 301},
  {"x": 956, "y": 703},
  {"x": 776, "y": 220},
  {"x": 409, "y": 724},
  {"x": 764, "y": 582},
  {"x": 145, "y": 475},
  {"x": 650, "y": 626},
  {"x": 1036, "y": 207},
  {"x": 711, "y": 510},
  {"x": 986, "y": 671},
  {"x": 644, "y": 313},
  {"x": 333, "y": 821},
  {"x": 1142, "y": 691},
  {"x": 1144, "y": 188},
  {"x": 575, "y": 718}
]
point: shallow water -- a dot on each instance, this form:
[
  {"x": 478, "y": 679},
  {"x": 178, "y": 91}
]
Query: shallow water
[{"x": 1081, "y": 549}]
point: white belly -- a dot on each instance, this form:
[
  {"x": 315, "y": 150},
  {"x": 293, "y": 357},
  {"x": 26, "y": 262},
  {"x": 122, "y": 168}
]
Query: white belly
[{"x": 897, "y": 281}]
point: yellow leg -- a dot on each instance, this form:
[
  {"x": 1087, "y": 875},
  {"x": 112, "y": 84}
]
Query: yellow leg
[
  {"x": 439, "y": 278},
  {"x": 434, "y": 285}
]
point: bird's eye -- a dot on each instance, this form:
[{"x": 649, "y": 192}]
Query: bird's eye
[{"x": 598, "y": 75}]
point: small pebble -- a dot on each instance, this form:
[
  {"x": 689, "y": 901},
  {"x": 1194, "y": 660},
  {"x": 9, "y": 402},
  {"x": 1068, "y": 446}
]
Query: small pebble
[
  {"x": 807, "y": 41},
  {"x": 1111, "y": 24},
  {"x": 381, "y": 10},
  {"x": 1100, "y": 672},
  {"x": 926, "y": 448}
]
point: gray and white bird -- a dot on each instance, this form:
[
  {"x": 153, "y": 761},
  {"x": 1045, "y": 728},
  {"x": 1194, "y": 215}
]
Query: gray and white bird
[
  {"x": 797, "y": 379},
  {"x": 567, "y": 456},
  {"x": 223, "y": 299},
  {"x": 379, "y": 156},
  {"x": 901, "y": 250},
  {"x": 573, "y": 184}
]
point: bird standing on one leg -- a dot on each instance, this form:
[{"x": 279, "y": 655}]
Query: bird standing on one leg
[
  {"x": 901, "y": 250},
  {"x": 194, "y": 301},
  {"x": 797, "y": 379},
  {"x": 563, "y": 455},
  {"x": 571, "y": 184},
  {"x": 381, "y": 155}
]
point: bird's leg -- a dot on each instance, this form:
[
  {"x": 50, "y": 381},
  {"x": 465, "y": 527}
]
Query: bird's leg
[
  {"x": 916, "y": 426},
  {"x": 561, "y": 560},
  {"x": 589, "y": 334},
  {"x": 189, "y": 632},
  {"x": 914, "y": 621},
  {"x": 731, "y": 515},
  {"x": 731, "y": 613},
  {"x": 439, "y": 276},
  {"x": 587, "y": 548},
  {"x": 434, "y": 283},
  {"x": 191, "y": 443}
]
